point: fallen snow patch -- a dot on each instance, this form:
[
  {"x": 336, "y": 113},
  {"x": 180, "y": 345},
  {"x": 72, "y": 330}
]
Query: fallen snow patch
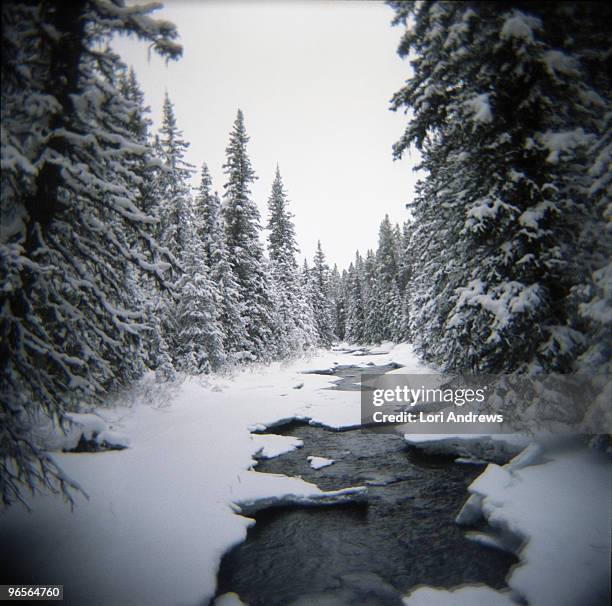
[
  {"x": 270, "y": 445},
  {"x": 320, "y": 462},
  {"x": 383, "y": 348}
]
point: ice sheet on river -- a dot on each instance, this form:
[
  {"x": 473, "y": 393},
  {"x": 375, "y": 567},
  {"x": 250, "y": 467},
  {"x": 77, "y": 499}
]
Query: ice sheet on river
[{"x": 498, "y": 448}]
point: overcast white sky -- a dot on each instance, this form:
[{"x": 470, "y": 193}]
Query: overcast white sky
[{"x": 314, "y": 81}]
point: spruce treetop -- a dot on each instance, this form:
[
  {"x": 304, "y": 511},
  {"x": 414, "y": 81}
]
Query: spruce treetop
[
  {"x": 281, "y": 238},
  {"x": 238, "y": 167}
]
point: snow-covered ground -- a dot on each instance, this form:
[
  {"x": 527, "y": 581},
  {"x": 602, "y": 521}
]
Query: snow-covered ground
[{"x": 162, "y": 512}]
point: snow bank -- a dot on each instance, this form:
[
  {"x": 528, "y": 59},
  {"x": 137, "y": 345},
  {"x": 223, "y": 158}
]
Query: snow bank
[
  {"x": 87, "y": 426},
  {"x": 489, "y": 447},
  {"x": 562, "y": 507},
  {"x": 404, "y": 354},
  {"x": 555, "y": 503},
  {"x": 462, "y": 596},
  {"x": 383, "y": 348},
  {"x": 356, "y": 494}
]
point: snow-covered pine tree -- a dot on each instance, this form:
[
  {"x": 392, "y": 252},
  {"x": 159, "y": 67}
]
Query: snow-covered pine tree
[
  {"x": 175, "y": 217},
  {"x": 146, "y": 168},
  {"x": 504, "y": 105},
  {"x": 211, "y": 233},
  {"x": 388, "y": 296},
  {"x": 199, "y": 338},
  {"x": 355, "y": 312},
  {"x": 321, "y": 297},
  {"x": 207, "y": 211},
  {"x": 595, "y": 294},
  {"x": 371, "y": 290},
  {"x": 68, "y": 207},
  {"x": 245, "y": 251},
  {"x": 404, "y": 257},
  {"x": 138, "y": 121},
  {"x": 370, "y": 296},
  {"x": 138, "y": 124},
  {"x": 338, "y": 298},
  {"x": 174, "y": 189},
  {"x": 298, "y": 331},
  {"x": 282, "y": 246},
  {"x": 306, "y": 301}
]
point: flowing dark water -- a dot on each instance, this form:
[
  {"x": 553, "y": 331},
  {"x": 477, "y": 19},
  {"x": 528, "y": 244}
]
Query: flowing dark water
[{"x": 361, "y": 555}]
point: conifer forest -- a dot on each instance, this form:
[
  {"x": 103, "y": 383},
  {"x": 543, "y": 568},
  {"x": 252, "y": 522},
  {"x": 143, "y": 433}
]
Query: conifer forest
[{"x": 170, "y": 354}]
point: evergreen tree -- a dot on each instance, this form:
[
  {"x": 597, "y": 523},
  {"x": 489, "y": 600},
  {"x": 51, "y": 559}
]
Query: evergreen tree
[
  {"x": 370, "y": 291},
  {"x": 321, "y": 297},
  {"x": 282, "y": 246},
  {"x": 137, "y": 122},
  {"x": 373, "y": 303},
  {"x": 69, "y": 215},
  {"x": 338, "y": 298},
  {"x": 174, "y": 189},
  {"x": 404, "y": 274},
  {"x": 387, "y": 290},
  {"x": 355, "y": 312},
  {"x": 199, "y": 338},
  {"x": 146, "y": 169},
  {"x": 207, "y": 210},
  {"x": 175, "y": 219},
  {"x": 505, "y": 104},
  {"x": 209, "y": 226},
  {"x": 245, "y": 251},
  {"x": 306, "y": 303},
  {"x": 594, "y": 294},
  {"x": 297, "y": 325}
]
